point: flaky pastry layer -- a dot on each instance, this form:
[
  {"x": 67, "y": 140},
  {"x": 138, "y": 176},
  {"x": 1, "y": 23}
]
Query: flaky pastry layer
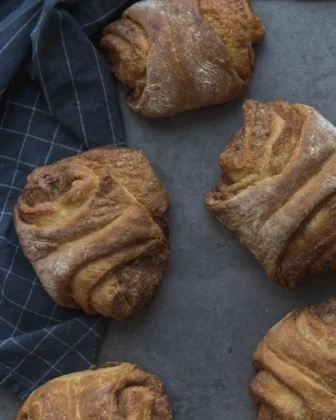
[
  {"x": 177, "y": 55},
  {"x": 277, "y": 190},
  {"x": 94, "y": 228}
]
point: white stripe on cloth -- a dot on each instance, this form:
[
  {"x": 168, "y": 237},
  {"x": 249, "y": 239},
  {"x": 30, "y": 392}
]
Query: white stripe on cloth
[
  {"x": 68, "y": 351},
  {"x": 19, "y": 31},
  {"x": 27, "y": 355},
  {"x": 73, "y": 82},
  {"x": 105, "y": 95},
  {"x": 19, "y": 158},
  {"x": 106, "y": 15}
]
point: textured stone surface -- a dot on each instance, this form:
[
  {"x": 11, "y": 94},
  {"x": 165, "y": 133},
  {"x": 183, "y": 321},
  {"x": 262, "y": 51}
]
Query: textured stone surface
[{"x": 216, "y": 302}]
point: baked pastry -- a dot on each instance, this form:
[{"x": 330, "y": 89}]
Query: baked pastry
[
  {"x": 114, "y": 392},
  {"x": 177, "y": 55},
  {"x": 296, "y": 365},
  {"x": 277, "y": 191},
  {"x": 93, "y": 226}
]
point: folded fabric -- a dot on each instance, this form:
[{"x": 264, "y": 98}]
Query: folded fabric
[{"x": 57, "y": 99}]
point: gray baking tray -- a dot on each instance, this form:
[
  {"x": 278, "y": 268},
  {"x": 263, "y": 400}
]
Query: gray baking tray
[{"x": 216, "y": 302}]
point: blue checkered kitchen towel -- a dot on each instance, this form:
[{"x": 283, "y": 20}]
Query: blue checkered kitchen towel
[{"x": 57, "y": 99}]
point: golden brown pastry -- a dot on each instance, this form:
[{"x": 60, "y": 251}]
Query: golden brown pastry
[
  {"x": 296, "y": 367},
  {"x": 177, "y": 55},
  {"x": 277, "y": 191},
  {"x": 93, "y": 228},
  {"x": 112, "y": 392}
]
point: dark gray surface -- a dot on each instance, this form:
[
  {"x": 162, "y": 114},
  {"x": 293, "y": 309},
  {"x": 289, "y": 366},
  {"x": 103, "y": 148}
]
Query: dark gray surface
[{"x": 216, "y": 302}]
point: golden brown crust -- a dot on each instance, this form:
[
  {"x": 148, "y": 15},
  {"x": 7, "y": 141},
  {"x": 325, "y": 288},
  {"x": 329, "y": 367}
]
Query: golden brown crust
[
  {"x": 277, "y": 192},
  {"x": 296, "y": 367},
  {"x": 178, "y": 55},
  {"x": 91, "y": 227},
  {"x": 115, "y": 392}
]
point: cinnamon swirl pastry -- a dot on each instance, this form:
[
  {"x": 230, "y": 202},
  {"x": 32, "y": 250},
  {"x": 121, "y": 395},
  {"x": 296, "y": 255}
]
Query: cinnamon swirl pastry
[
  {"x": 112, "y": 392},
  {"x": 177, "y": 55},
  {"x": 93, "y": 227},
  {"x": 277, "y": 191},
  {"x": 296, "y": 367}
]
